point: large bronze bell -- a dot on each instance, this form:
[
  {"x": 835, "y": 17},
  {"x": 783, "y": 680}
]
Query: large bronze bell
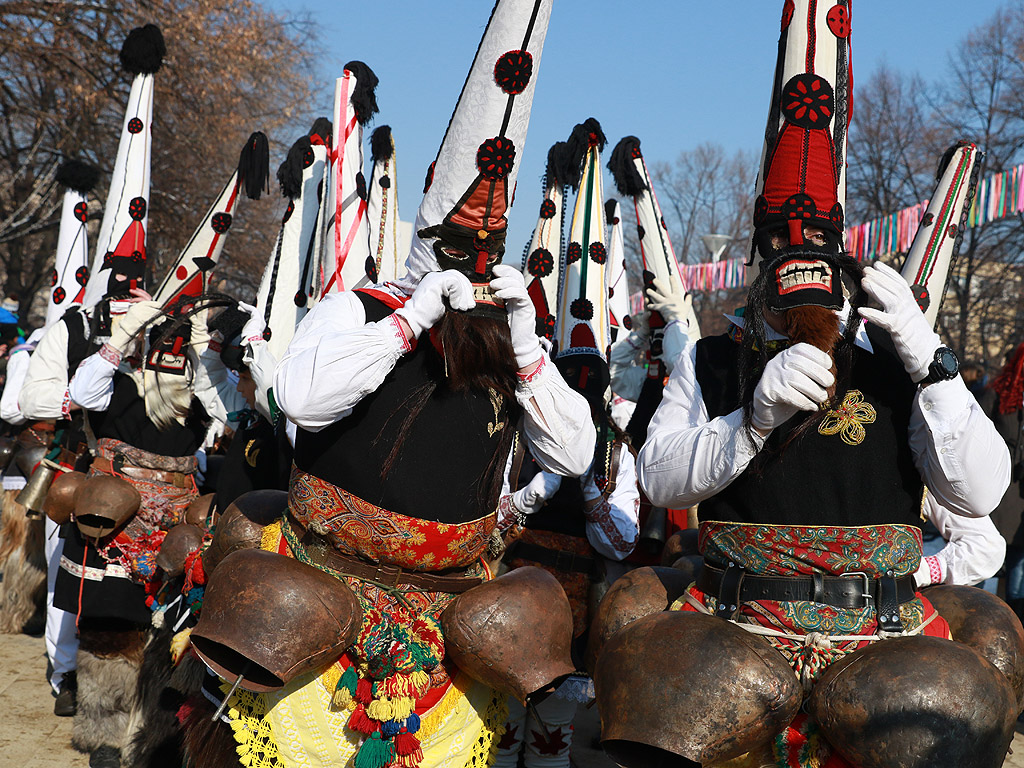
[
  {"x": 682, "y": 689},
  {"x": 180, "y": 542},
  {"x": 270, "y": 618},
  {"x": 241, "y": 525},
  {"x": 28, "y": 455},
  {"x": 634, "y": 595},
  {"x": 988, "y": 625},
  {"x": 512, "y": 633},
  {"x": 59, "y": 503},
  {"x": 916, "y": 702},
  {"x": 33, "y": 495},
  {"x": 198, "y": 512},
  {"x": 680, "y": 543},
  {"x": 104, "y": 503}
]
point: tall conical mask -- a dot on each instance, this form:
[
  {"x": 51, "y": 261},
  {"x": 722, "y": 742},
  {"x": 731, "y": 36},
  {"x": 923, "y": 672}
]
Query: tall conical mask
[
  {"x": 545, "y": 259},
  {"x": 389, "y": 238},
  {"x": 461, "y": 222},
  {"x": 657, "y": 257},
  {"x": 71, "y": 263},
  {"x": 620, "y": 286},
  {"x": 120, "y": 260},
  {"x": 581, "y": 328},
  {"x": 343, "y": 240},
  {"x": 937, "y": 242},
  {"x": 192, "y": 270},
  {"x": 802, "y": 178},
  {"x": 288, "y": 288}
]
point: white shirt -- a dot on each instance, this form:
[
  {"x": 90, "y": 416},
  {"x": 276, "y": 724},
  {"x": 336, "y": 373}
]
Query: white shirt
[
  {"x": 688, "y": 457},
  {"x": 613, "y": 526},
  {"x": 974, "y": 550},
  {"x": 336, "y": 359},
  {"x": 44, "y": 393},
  {"x": 17, "y": 370}
]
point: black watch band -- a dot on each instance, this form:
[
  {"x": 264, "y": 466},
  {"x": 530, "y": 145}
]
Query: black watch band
[{"x": 944, "y": 366}]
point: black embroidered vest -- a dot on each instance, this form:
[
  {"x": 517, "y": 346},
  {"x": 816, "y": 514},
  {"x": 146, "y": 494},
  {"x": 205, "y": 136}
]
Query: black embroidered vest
[
  {"x": 444, "y": 462},
  {"x": 854, "y": 468}
]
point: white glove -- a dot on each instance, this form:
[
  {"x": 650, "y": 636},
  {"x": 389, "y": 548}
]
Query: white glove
[
  {"x": 426, "y": 306},
  {"x": 532, "y": 496},
  {"x": 796, "y": 379},
  {"x": 913, "y": 337},
  {"x": 135, "y": 319},
  {"x": 667, "y": 298},
  {"x": 510, "y": 286},
  {"x": 254, "y": 326}
]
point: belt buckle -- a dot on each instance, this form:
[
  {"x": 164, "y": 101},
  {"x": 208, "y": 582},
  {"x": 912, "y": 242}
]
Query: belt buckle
[
  {"x": 117, "y": 463},
  {"x": 388, "y": 575},
  {"x": 564, "y": 561},
  {"x": 866, "y": 581}
]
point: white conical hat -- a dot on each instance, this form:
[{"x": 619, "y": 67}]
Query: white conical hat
[
  {"x": 387, "y": 234},
  {"x": 287, "y": 291},
  {"x": 935, "y": 246},
  {"x": 545, "y": 258},
  {"x": 122, "y": 236},
  {"x": 71, "y": 265},
  {"x": 619, "y": 279},
  {"x": 471, "y": 183},
  {"x": 192, "y": 270},
  {"x": 343, "y": 241},
  {"x": 581, "y": 325}
]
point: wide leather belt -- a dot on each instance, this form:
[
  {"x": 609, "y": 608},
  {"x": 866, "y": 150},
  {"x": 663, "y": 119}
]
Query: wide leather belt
[
  {"x": 177, "y": 479},
  {"x": 559, "y": 559},
  {"x": 733, "y": 586},
  {"x": 320, "y": 552}
]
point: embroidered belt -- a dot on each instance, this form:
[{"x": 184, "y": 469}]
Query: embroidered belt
[
  {"x": 117, "y": 466},
  {"x": 559, "y": 559},
  {"x": 93, "y": 574},
  {"x": 734, "y": 586},
  {"x": 319, "y": 551}
]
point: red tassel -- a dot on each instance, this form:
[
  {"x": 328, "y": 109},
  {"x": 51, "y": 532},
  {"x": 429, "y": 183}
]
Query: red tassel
[
  {"x": 406, "y": 744},
  {"x": 364, "y": 691},
  {"x": 360, "y": 722}
]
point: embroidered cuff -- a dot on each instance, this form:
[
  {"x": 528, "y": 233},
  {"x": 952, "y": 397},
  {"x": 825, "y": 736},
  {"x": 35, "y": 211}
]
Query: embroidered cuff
[
  {"x": 65, "y": 405},
  {"x": 601, "y": 517},
  {"x": 934, "y": 569},
  {"x": 392, "y": 325},
  {"x": 526, "y": 379},
  {"x": 111, "y": 354}
]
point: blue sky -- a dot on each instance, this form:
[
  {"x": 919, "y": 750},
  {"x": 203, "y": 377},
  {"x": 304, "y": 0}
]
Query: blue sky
[{"x": 675, "y": 73}]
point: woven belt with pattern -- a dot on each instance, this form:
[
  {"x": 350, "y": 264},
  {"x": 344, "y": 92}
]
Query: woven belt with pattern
[{"x": 117, "y": 467}]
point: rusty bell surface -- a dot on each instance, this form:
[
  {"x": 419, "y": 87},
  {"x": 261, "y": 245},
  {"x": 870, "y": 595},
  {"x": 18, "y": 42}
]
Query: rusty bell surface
[
  {"x": 636, "y": 594},
  {"x": 104, "y": 503},
  {"x": 916, "y": 702},
  {"x": 271, "y": 618},
  {"x": 180, "y": 542},
  {"x": 682, "y": 689},
  {"x": 60, "y": 499},
  {"x": 241, "y": 524},
  {"x": 512, "y": 633},
  {"x": 988, "y": 625}
]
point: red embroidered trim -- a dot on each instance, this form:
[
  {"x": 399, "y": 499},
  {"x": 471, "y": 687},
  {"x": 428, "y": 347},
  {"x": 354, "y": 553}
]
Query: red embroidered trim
[
  {"x": 396, "y": 329},
  {"x": 65, "y": 406},
  {"x": 110, "y": 354},
  {"x": 508, "y": 513},
  {"x": 601, "y": 516},
  {"x": 528, "y": 378},
  {"x": 934, "y": 569}
]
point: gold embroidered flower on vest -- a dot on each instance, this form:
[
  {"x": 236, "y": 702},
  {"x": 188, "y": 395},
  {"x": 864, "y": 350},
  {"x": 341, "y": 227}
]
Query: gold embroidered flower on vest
[{"x": 849, "y": 418}]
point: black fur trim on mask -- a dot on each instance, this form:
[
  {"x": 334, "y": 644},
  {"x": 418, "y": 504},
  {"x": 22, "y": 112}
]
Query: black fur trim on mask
[
  {"x": 380, "y": 144},
  {"x": 577, "y": 146},
  {"x": 322, "y": 127},
  {"x": 627, "y": 178},
  {"x": 254, "y": 166},
  {"x": 79, "y": 176},
  {"x": 558, "y": 168},
  {"x": 364, "y": 97},
  {"x": 289, "y": 173},
  {"x": 143, "y": 50}
]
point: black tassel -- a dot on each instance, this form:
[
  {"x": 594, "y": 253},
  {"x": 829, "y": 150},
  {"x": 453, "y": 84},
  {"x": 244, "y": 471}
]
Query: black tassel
[
  {"x": 143, "y": 50},
  {"x": 946, "y": 157},
  {"x": 577, "y": 146},
  {"x": 229, "y": 321},
  {"x": 609, "y": 209},
  {"x": 559, "y": 169},
  {"x": 79, "y": 176},
  {"x": 627, "y": 178},
  {"x": 364, "y": 97},
  {"x": 322, "y": 128},
  {"x": 254, "y": 166},
  {"x": 289, "y": 174},
  {"x": 380, "y": 144}
]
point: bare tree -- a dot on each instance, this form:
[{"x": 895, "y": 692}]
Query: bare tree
[{"x": 231, "y": 67}]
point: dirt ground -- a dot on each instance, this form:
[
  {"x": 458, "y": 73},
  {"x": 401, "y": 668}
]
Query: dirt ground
[{"x": 33, "y": 738}]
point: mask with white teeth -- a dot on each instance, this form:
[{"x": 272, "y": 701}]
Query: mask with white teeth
[{"x": 801, "y": 275}]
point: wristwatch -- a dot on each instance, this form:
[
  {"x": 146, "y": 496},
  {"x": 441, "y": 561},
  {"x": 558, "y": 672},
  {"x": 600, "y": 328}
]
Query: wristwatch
[{"x": 944, "y": 366}]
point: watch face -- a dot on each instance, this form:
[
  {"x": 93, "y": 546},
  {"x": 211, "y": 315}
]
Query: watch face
[{"x": 948, "y": 362}]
